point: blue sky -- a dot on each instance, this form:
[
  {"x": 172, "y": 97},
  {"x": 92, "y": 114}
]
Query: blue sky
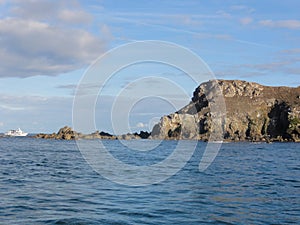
[{"x": 46, "y": 46}]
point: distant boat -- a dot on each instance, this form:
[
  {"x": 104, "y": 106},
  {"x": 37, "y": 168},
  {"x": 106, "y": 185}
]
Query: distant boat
[{"x": 16, "y": 133}]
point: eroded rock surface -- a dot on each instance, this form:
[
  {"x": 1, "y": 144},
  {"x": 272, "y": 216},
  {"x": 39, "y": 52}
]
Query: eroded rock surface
[
  {"x": 253, "y": 112},
  {"x": 230, "y": 110}
]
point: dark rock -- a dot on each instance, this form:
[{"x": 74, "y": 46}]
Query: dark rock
[{"x": 144, "y": 134}]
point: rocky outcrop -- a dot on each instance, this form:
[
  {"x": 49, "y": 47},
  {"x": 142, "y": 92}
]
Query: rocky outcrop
[
  {"x": 230, "y": 110},
  {"x": 251, "y": 112},
  {"x": 67, "y": 133}
]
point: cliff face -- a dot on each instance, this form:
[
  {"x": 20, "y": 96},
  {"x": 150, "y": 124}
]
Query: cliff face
[{"x": 253, "y": 112}]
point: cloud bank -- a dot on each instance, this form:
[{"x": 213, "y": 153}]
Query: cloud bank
[{"x": 45, "y": 38}]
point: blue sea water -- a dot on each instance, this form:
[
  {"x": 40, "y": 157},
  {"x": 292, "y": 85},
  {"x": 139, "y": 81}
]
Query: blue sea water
[{"x": 49, "y": 182}]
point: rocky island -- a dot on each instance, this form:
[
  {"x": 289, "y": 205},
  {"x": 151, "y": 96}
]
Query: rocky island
[
  {"x": 67, "y": 133},
  {"x": 252, "y": 112}
]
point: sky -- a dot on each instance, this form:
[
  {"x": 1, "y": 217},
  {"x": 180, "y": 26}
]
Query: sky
[{"x": 47, "y": 47}]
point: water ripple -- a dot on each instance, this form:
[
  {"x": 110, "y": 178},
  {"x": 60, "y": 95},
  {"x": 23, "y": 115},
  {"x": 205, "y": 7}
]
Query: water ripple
[{"x": 48, "y": 182}]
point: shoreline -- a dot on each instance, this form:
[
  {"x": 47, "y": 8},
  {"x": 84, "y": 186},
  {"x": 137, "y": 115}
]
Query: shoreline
[
  {"x": 156, "y": 139},
  {"x": 67, "y": 133}
]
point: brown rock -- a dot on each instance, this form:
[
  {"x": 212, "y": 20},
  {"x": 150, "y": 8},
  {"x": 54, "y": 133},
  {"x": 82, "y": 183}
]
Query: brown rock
[{"x": 253, "y": 112}]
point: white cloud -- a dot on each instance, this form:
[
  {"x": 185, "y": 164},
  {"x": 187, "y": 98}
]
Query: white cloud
[
  {"x": 1, "y": 124},
  {"x": 35, "y": 9},
  {"x": 74, "y": 17},
  {"x": 270, "y": 66},
  {"x": 246, "y": 20},
  {"x": 35, "y": 113},
  {"x": 106, "y": 32},
  {"x": 20, "y": 103},
  {"x": 288, "y": 68},
  {"x": 291, "y": 51},
  {"x": 243, "y": 8},
  {"x": 29, "y": 48},
  {"x": 289, "y": 24},
  {"x": 141, "y": 125},
  {"x": 223, "y": 14},
  {"x": 45, "y": 37},
  {"x": 48, "y": 10},
  {"x": 182, "y": 19},
  {"x": 85, "y": 89},
  {"x": 11, "y": 108}
]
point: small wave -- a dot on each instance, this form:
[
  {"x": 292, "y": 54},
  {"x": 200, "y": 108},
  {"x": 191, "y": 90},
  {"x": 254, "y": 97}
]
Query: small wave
[{"x": 71, "y": 221}]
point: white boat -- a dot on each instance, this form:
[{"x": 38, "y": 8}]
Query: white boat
[{"x": 16, "y": 133}]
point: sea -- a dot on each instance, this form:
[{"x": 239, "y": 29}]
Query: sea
[{"x": 52, "y": 182}]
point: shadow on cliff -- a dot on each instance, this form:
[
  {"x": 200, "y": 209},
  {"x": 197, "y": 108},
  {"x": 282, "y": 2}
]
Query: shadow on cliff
[{"x": 279, "y": 121}]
